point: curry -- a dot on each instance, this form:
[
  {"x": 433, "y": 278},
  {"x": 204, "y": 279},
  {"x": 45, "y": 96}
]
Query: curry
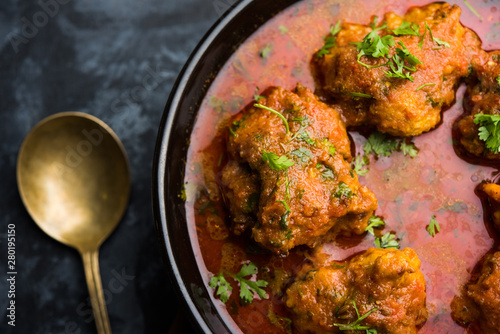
[{"x": 331, "y": 175}]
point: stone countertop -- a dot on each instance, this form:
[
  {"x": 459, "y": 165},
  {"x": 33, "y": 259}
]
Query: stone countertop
[{"x": 117, "y": 60}]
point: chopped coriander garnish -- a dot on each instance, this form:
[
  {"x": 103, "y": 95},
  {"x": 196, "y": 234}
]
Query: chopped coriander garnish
[
  {"x": 397, "y": 72},
  {"x": 335, "y": 30},
  {"x": 498, "y": 80},
  {"x": 287, "y": 208},
  {"x": 374, "y": 23},
  {"x": 284, "y": 217},
  {"x": 388, "y": 240},
  {"x": 188, "y": 192},
  {"x": 473, "y": 10},
  {"x": 343, "y": 191},
  {"x": 373, "y": 45},
  {"x": 402, "y": 55},
  {"x": 248, "y": 287},
  {"x": 406, "y": 55},
  {"x": 280, "y": 322},
  {"x": 276, "y": 162},
  {"x": 434, "y": 39},
  {"x": 379, "y": 144},
  {"x": 266, "y": 51},
  {"x": 441, "y": 42},
  {"x": 327, "y": 174},
  {"x": 182, "y": 194},
  {"x": 489, "y": 130},
  {"x": 407, "y": 28},
  {"x": 409, "y": 149},
  {"x": 305, "y": 136},
  {"x": 283, "y": 30},
  {"x": 424, "y": 85},
  {"x": 304, "y": 123},
  {"x": 223, "y": 287},
  {"x": 280, "y": 115},
  {"x": 355, "y": 326},
  {"x": 303, "y": 154},
  {"x": 375, "y": 221},
  {"x": 329, "y": 40},
  {"x": 361, "y": 95},
  {"x": 256, "y": 96},
  {"x": 359, "y": 165},
  {"x": 331, "y": 148},
  {"x": 433, "y": 227}
]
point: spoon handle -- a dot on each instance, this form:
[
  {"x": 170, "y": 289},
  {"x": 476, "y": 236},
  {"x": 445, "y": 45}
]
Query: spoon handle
[{"x": 93, "y": 276}]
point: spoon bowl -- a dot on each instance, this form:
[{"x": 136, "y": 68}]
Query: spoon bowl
[{"x": 73, "y": 177}]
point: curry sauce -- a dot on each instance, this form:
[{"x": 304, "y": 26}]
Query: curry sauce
[{"x": 438, "y": 183}]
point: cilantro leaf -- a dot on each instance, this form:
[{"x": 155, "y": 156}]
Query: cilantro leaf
[
  {"x": 375, "y": 221},
  {"x": 489, "y": 130},
  {"x": 359, "y": 164},
  {"x": 409, "y": 149},
  {"x": 329, "y": 146},
  {"x": 426, "y": 84},
  {"x": 287, "y": 208},
  {"x": 277, "y": 113},
  {"x": 223, "y": 287},
  {"x": 335, "y": 30},
  {"x": 498, "y": 80},
  {"x": 305, "y": 136},
  {"x": 303, "y": 154},
  {"x": 441, "y": 42},
  {"x": 355, "y": 94},
  {"x": 434, "y": 39},
  {"x": 276, "y": 162},
  {"x": 407, "y": 28},
  {"x": 236, "y": 125},
  {"x": 388, "y": 240},
  {"x": 355, "y": 326},
  {"x": 473, "y": 10},
  {"x": 256, "y": 96},
  {"x": 285, "y": 216},
  {"x": 343, "y": 191},
  {"x": 406, "y": 55},
  {"x": 327, "y": 174},
  {"x": 248, "y": 287},
  {"x": 283, "y": 30},
  {"x": 304, "y": 123},
  {"x": 330, "y": 40},
  {"x": 266, "y": 51},
  {"x": 397, "y": 72},
  {"x": 380, "y": 145},
  {"x": 373, "y": 45},
  {"x": 433, "y": 227},
  {"x": 398, "y": 64}
]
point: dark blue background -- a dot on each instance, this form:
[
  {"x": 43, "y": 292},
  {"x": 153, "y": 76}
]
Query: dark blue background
[{"x": 117, "y": 60}]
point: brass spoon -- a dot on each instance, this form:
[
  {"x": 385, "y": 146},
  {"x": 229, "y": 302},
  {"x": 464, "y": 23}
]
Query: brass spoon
[{"x": 74, "y": 179}]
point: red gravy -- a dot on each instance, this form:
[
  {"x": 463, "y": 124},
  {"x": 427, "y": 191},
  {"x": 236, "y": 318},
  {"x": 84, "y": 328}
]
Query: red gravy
[{"x": 409, "y": 191}]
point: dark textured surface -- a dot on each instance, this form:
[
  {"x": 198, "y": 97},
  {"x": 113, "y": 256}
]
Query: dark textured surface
[{"x": 117, "y": 60}]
